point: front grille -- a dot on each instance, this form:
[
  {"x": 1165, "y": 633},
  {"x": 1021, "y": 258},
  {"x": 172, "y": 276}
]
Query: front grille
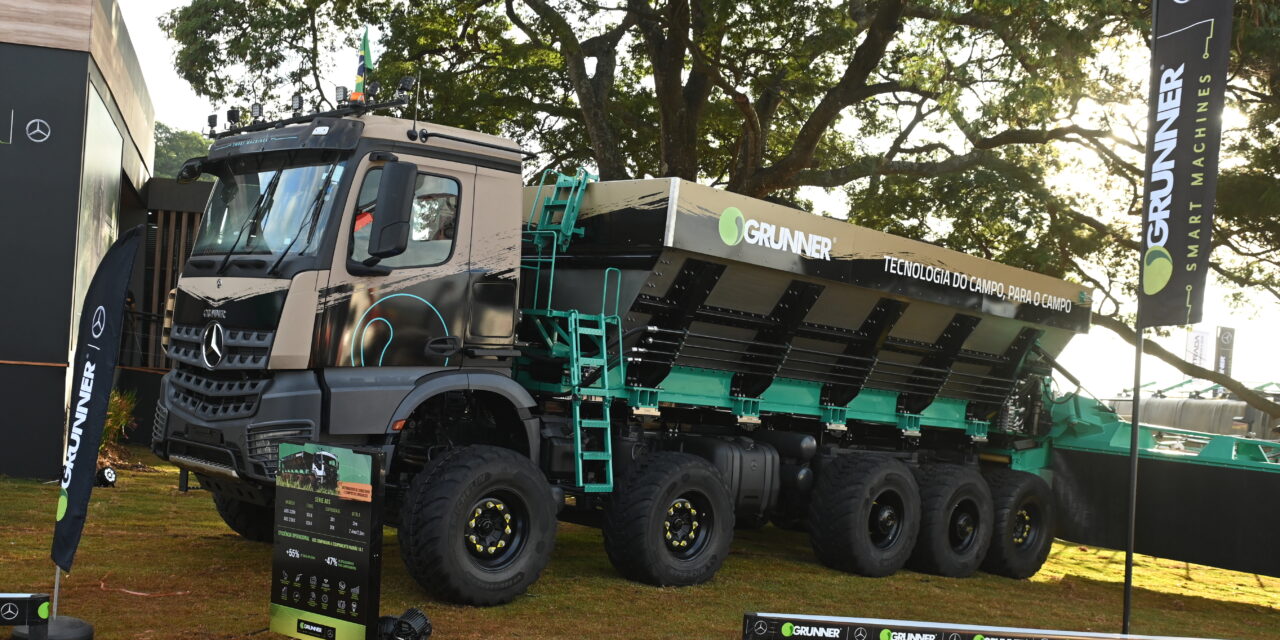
[
  {"x": 158, "y": 423},
  {"x": 245, "y": 349},
  {"x": 215, "y": 399},
  {"x": 264, "y": 441}
]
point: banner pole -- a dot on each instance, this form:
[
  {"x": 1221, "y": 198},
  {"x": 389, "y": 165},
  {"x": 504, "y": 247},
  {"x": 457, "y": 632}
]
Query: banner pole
[
  {"x": 57, "y": 588},
  {"x": 1133, "y": 480}
]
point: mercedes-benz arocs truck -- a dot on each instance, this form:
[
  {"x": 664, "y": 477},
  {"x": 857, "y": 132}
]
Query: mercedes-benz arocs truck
[{"x": 659, "y": 358}]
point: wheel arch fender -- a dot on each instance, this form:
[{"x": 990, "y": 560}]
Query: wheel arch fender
[{"x": 496, "y": 384}]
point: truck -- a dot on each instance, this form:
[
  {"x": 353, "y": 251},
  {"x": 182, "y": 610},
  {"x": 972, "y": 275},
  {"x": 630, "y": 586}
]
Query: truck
[{"x": 659, "y": 358}]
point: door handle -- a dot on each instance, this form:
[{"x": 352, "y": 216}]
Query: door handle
[{"x": 444, "y": 347}]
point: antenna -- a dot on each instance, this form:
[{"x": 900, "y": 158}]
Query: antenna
[{"x": 417, "y": 87}]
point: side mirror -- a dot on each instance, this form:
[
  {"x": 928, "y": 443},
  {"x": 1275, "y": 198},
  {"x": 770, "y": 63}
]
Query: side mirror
[
  {"x": 389, "y": 235},
  {"x": 191, "y": 170}
]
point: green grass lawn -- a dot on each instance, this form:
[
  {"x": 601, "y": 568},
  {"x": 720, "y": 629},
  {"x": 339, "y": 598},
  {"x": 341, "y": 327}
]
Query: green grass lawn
[{"x": 156, "y": 563}]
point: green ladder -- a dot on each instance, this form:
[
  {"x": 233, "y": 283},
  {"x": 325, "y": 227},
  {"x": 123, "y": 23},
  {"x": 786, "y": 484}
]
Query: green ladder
[
  {"x": 599, "y": 375},
  {"x": 559, "y": 211}
]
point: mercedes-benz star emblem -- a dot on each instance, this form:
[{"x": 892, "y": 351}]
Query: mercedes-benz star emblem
[
  {"x": 212, "y": 345},
  {"x": 99, "y": 322},
  {"x": 761, "y": 627},
  {"x": 8, "y": 611},
  {"x": 860, "y": 633},
  {"x": 38, "y": 130}
]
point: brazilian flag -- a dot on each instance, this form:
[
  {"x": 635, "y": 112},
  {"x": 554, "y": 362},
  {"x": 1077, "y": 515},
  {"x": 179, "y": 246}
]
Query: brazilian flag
[{"x": 366, "y": 66}]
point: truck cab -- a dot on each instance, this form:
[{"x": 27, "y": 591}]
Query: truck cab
[{"x": 293, "y": 318}]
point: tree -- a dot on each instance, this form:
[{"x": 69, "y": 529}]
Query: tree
[
  {"x": 941, "y": 120},
  {"x": 174, "y": 147}
]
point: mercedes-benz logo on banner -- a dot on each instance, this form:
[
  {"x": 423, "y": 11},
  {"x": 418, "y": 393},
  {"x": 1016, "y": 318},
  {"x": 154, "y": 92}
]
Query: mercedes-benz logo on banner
[
  {"x": 860, "y": 633},
  {"x": 212, "y": 345},
  {"x": 99, "y": 322},
  {"x": 8, "y": 611},
  {"x": 761, "y": 627},
  {"x": 38, "y": 130}
]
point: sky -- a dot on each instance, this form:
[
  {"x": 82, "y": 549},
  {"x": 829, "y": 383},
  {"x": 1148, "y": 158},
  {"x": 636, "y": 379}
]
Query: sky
[{"x": 1102, "y": 360}]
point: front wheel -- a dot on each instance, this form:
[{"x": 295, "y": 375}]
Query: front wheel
[
  {"x": 477, "y": 526},
  {"x": 671, "y": 522},
  {"x": 252, "y": 521}
]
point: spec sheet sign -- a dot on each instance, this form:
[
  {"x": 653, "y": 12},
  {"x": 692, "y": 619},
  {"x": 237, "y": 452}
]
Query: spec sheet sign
[
  {"x": 767, "y": 626},
  {"x": 327, "y": 561}
]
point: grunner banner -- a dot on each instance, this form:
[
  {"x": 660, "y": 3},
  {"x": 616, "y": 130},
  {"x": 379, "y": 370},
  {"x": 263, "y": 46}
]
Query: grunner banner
[
  {"x": 1191, "y": 41},
  {"x": 97, "y": 348},
  {"x": 782, "y": 626}
]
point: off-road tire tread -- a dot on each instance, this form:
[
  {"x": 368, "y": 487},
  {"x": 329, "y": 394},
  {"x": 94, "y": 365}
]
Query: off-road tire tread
[
  {"x": 433, "y": 492},
  {"x": 630, "y": 506},
  {"x": 252, "y": 521},
  {"x": 1005, "y": 484},
  {"x": 837, "y": 505},
  {"x": 936, "y": 485}
]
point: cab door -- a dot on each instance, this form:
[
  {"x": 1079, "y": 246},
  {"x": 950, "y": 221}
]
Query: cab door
[{"x": 408, "y": 310}]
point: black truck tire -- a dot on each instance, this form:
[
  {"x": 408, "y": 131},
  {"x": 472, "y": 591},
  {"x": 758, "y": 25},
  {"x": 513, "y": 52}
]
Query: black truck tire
[
  {"x": 252, "y": 521},
  {"x": 1024, "y": 523},
  {"x": 864, "y": 514},
  {"x": 478, "y": 525},
  {"x": 671, "y": 521},
  {"x": 955, "y": 521}
]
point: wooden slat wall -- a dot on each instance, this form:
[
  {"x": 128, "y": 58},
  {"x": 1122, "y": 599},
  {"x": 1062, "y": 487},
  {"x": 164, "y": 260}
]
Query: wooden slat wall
[
  {"x": 59, "y": 24},
  {"x": 174, "y": 234}
]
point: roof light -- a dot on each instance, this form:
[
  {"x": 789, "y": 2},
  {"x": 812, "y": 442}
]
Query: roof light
[
  {"x": 296, "y": 103},
  {"x": 341, "y": 94},
  {"x": 233, "y": 116},
  {"x": 255, "y": 110}
]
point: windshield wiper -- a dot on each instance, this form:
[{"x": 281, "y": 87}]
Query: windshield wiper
[
  {"x": 260, "y": 208},
  {"x": 309, "y": 222}
]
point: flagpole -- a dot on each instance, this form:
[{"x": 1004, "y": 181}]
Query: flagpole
[
  {"x": 57, "y": 587},
  {"x": 1133, "y": 479}
]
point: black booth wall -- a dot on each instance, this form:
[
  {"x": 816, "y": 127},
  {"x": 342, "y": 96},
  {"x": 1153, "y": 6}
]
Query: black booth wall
[{"x": 39, "y": 203}]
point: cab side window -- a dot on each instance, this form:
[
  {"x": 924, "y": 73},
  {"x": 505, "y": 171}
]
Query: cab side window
[{"x": 432, "y": 225}]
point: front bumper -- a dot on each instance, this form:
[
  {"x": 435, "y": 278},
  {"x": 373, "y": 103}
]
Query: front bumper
[{"x": 243, "y": 448}]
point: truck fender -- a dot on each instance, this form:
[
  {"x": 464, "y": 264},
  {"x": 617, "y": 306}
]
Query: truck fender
[{"x": 436, "y": 383}]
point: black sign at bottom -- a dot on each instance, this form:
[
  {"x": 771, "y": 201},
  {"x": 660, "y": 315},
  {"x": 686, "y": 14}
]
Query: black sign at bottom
[{"x": 769, "y": 626}]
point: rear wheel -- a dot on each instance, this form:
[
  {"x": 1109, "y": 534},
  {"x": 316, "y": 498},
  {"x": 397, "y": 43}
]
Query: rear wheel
[
  {"x": 1024, "y": 523},
  {"x": 670, "y": 523},
  {"x": 477, "y": 526},
  {"x": 252, "y": 521},
  {"x": 955, "y": 521},
  {"x": 864, "y": 515}
]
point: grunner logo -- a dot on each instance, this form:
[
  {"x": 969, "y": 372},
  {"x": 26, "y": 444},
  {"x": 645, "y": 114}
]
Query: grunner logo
[
  {"x": 790, "y": 630},
  {"x": 886, "y": 634},
  {"x": 735, "y": 227}
]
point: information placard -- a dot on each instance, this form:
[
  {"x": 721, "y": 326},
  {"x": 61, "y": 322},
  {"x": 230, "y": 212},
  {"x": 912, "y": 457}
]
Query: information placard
[
  {"x": 327, "y": 562},
  {"x": 767, "y": 626}
]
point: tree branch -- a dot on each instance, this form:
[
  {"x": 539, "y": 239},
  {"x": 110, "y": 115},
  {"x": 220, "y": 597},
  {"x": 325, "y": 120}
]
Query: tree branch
[{"x": 1249, "y": 396}]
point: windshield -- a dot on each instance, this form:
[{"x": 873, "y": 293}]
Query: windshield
[{"x": 268, "y": 205}]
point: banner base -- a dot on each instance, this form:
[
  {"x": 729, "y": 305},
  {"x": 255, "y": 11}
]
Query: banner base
[{"x": 59, "y": 628}]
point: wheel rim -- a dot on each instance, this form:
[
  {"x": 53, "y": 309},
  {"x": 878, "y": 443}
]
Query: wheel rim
[
  {"x": 1026, "y": 526},
  {"x": 495, "y": 531},
  {"x": 687, "y": 524},
  {"x": 962, "y": 526},
  {"x": 885, "y": 522}
]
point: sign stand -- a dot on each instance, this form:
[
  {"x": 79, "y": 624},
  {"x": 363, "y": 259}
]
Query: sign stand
[{"x": 327, "y": 560}]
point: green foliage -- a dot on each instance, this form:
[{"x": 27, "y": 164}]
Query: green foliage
[
  {"x": 945, "y": 120},
  {"x": 174, "y": 147},
  {"x": 119, "y": 421}
]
